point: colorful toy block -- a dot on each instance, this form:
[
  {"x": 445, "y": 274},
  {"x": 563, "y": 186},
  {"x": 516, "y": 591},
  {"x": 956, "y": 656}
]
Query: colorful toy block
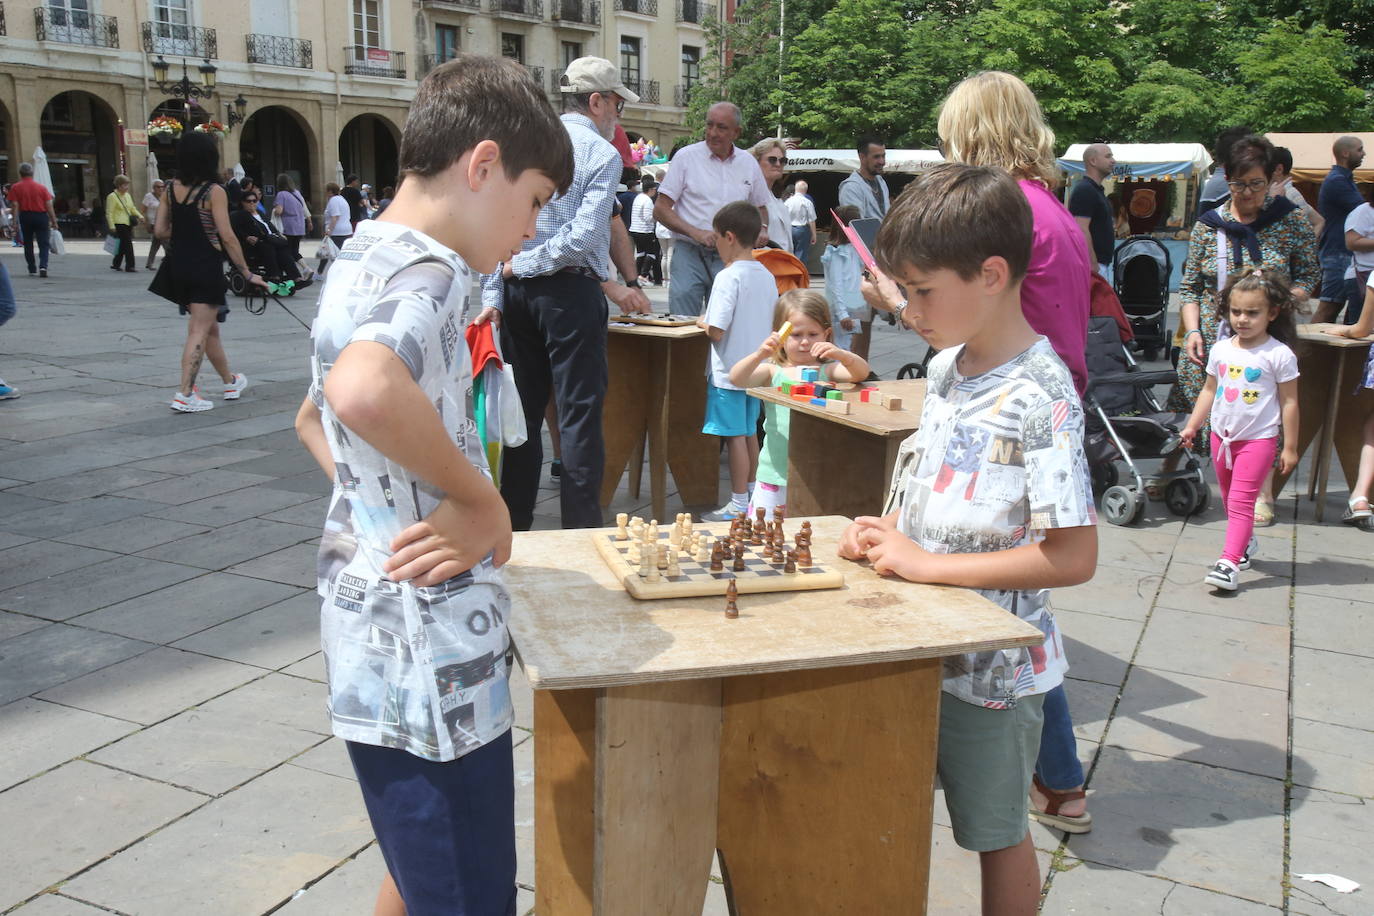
[
  {"x": 823, "y": 389},
  {"x": 805, "y": 388},
  {"x": 786, "y": 386},
  {"x": 804, "y": 398},
  {"x": 867, "y": 395},
  {"x": 818, "y": 402},
  {"x": 811, "y": 375},
  {"x": 892, "y": 403},
  {"x": 835, "y": 395},
  {"x": 836, "y": 406}
]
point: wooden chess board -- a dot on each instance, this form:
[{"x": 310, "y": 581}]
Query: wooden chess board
[
  {"x": 657, "y": 321},
  {"x": 759, "y": 575}
]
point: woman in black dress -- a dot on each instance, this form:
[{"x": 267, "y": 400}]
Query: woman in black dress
[{"x": 195, "y": 217}]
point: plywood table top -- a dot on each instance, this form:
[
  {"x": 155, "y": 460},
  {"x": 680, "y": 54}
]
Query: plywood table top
[
  {"x": 869, "y": 418},
  {"x": 1316, "y": 333},
  {"x": 575, "y": 626},
  {"x": 681, "y": 332}
]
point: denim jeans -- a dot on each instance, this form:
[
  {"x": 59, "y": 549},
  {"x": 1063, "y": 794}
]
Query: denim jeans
[
  {"x": 1058, "y": 766},
  {"x": 7, "y": 303},
  {"x": 801, "y": 242},
  {"x": 694, "y": 270},
  {"x": 37, "y": 231}
]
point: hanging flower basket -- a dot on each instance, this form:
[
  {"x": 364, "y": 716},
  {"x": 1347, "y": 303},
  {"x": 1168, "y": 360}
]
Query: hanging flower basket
[
  {"x": 212, "y": 127},
  {"x": 164, "y": 126}
]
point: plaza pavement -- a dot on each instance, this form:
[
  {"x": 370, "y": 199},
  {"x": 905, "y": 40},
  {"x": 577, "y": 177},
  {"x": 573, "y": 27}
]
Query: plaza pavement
[{"x": 165, "y": 749}]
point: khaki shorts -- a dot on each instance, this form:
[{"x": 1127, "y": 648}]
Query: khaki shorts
[{"x": 987, "y": 757}]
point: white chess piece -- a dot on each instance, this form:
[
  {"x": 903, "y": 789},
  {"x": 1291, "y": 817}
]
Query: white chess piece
[{"x": 621, "y": 521}]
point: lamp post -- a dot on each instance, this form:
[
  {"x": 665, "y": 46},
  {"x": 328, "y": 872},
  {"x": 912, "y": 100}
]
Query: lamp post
[
  {"x": 234, "y": 111},
  {"x": 185, "y": 88}
]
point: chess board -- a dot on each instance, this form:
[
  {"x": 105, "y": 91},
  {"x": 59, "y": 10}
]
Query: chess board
[
  {"x": 656, "y": 321},
  {"x": 759, "y": 575}
]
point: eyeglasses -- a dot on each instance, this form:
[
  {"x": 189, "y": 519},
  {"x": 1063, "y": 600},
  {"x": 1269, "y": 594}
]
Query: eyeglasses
[
  {"x": 775, "y": 160},
  {"x": 1254, "y": 185},
  {"x": 618, "y": 101},
  {"x": 250, "y": 200}
]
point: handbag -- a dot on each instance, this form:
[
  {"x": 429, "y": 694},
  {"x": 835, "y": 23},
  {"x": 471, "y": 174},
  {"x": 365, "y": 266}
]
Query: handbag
[{"x": 111, "y": 244}]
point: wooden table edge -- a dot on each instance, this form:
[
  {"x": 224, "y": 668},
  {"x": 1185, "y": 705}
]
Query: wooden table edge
[{"x": 774, "y": 396}]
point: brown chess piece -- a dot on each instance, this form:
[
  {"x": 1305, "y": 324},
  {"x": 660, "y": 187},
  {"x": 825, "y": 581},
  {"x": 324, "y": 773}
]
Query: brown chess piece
[
  {"x": 732, "y": 600},
  {"x": 780, "y": 513},
  {"x": 738, "y": 565},
  {"x": 806, "y": 530},
  {"x": 790, "y": 566},
  {"x": 717, "y": 557},
  {"x": 759, "y": 514},
  {"x": 804, "y": 553}
]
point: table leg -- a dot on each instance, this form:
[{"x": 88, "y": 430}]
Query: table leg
[
  {"x": 826, "y": 789},
  {"x": 657, "y": 422},
  {"x": 693, "y": 457},
  {"x": 1328, "y": 433},
  {"x": 637, "y": 467},
  {"x": 818, "y": 484},
  {"x": 564, "y": 800},
  {"x": 626, "y": 413}
]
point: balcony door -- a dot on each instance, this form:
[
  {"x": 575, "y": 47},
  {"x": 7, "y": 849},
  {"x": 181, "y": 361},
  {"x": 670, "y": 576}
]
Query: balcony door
[
  {"x": 172, "y": 28},
  {"x": 275, "y": 18},
  {"x": 71, "y": 20},
  {"x": 445, "y": 43}
]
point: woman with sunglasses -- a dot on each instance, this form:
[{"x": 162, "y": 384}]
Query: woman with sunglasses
[
  {"x": 1254, "y": 229},
  {"x": 772, "y": 157}
]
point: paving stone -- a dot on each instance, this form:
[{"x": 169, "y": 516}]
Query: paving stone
[
  {"x": 229, "y": 544},
  {"x": 90, "y": 483},
  {"x": 245, "y": 853},
  {"x": 202, "y": 459},
  {"x": 272, "y": 637},
  {"x": 194, "y": 486},
  {"x": 57, "y": 905},
  {"x": 291, "y": 566},
  {"x": 235, "y": 506},
  {"x": 180, "y": 610},
  {"x": 1333, "y": 757},
  {"x": 1331, "y": 576},
  {"x": 1333, "y": 624},
  {"x": 64, "y": 518},
  {"x": 330, "y": 757},
  {"x": 1123, "y": 593},
  {"x": 46, "y": 657},
  {"x": 309, "y": 514},
  {"x": 311, "y": 668},
  {"x": 69, "y": 594},
  {"x": 39, "y": 736},
  {"x": 283, "y": 464},
  {"x": 955, "y": 880},
  {"x": 356, "y": 879},
  {"x": 1087, "y": 889},
  {"x": 522, "y": 698},
  {"x": 1132, "y": 548},
  {"x": 82, "y": 812},
  {"x": 1200, "y": 825},
  {"x": 1225, "y": 648},
  {"x": 8, "y": 540},
  {"x": 1331, "y": 834},
  {"x": 151, "y": 687},
  {"x": 1261, "y": 598},
  {"x": 1098, "y": 648},
  {"x": 46, "y": 467},
  {"x": 132, "y": 534},
  {"x": 1090, "y": 703},
  {"x": 1335, "y": 540},
  {"x": 14, "y": 624},
  {"x": 1204, "y": 720},
  {"x": 1324, "y": 682},
  {"x": 12, "y": 503}
]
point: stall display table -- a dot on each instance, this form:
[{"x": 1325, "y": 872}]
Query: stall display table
[
  {"x": 1329, "y": 408},
  {"x": 798, "y": 740},
  {"x": 657, "y": 395},
  {"x": 841, "y": 464}
]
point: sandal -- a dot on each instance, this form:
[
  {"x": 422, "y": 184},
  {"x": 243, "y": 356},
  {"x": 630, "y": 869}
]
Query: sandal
[
  {"x": 1264, "y": 514},
  {"x": 1354, "y": 516},
  {"x": 1153, "y": 492},
  {"x": 1051, "y": 817}
]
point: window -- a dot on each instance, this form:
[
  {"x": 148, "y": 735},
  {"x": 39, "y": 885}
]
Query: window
[
  {"x": 513, "y": 46},
  {"x": 367, "y": 24},
  {"x": 572, "y": 50},
  {"x": 629, "y": 62},
  {"x": 691, "y": 66},
  {"x": 172, "y": 19},
  {"x": 445, "y": 43},
  {"x": 74, "y": 13}
]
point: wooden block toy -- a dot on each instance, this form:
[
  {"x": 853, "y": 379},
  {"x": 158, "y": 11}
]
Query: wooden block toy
[
  {"x": 835, "y": 395},
  {"x": 805, "y": 388},
  {"x": 783, "y": 332},
  {"x": 800, "y": 397},
  {"x": 810, "y": 374},
  {"x": 892, "y": 403},
  {"x": 821, "y": 390},
  {"x": 818, "y": 402},
  {"x": 867, "y": 395},
  {"x": 786, "y": 386},
  {"x": 836, "y": 406}
]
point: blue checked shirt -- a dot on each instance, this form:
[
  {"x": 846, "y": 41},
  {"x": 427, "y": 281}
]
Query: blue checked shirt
[{"x": 574, "y": 230}]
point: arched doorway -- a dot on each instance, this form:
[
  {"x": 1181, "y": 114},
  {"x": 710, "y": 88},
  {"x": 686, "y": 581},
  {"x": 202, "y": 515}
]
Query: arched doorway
[
  {"x": 274, "y": 141},
  {"x": 368, "y": 149},
  {"x": 79, "y": 139},
  {"x": 9, "y": 165},
  {"x": 164, "y": 146}
]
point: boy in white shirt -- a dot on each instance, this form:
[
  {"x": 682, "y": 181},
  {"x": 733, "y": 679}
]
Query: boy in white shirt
[{"x": 738, "y": 315}]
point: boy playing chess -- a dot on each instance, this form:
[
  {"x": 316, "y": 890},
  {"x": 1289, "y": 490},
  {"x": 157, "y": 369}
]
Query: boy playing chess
[
  {"x": 991, "y": 493},
  {"x": 738, "y": 315},
  {"x": 413, "y": 622}
]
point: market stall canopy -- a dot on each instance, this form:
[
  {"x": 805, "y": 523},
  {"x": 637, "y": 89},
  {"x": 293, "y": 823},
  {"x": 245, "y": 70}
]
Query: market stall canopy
[
  {"x": 902, "y": 161},
  {"x": 1146, "y": 160},
  {"x": 1312, "y": 154}
]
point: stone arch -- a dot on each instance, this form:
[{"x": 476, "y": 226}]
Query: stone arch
[
  {"x": 276, "y": 139},
  {"x": 369, "y": 147},
  {"x": 9, "y": 145},
  {"x": 79, "y": 134}
]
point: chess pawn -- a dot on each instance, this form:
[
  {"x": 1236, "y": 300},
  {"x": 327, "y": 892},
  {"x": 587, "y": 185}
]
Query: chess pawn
[
  {"x": 757, "y": 535},
  {"x": 760, "y": 513},
  {"x": 790, "y": 566},
  {"x": 674, "y": 566},
  {"x": 738, "y": 565},
  {"x": 804, "y": 554},
  {"x": 654, "y": 575},
  {"x": 621, "y": 521},
  {"x": 732, "y": 600},
  {"x": 662, "y": 554},
  {"x": 717, "y": 558},
  {"x": 703, "y": 550},
  {"x": 633, "y": 554},
  {"x": 644, "y": 566}
]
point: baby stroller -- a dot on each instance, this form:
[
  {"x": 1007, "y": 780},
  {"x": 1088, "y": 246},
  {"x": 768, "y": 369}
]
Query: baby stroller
[
  {"x": 1125, "y": 423},
  {"x": 1140, "y": 276}
]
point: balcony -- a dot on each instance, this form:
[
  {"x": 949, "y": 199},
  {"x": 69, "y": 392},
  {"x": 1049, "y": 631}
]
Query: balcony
[
  {"x": 280, "y": 51},
  {"x": 516, "y": 9},
  {"x": 179, "y": 40},
  {"x": 682, "y": 94},
  {"x": 536, "y": 74},
  {"x": 647, "y": 90},
  {"x": 642, "y": 7},
  {"x": 364, "y": 61},
  {"x": 2, "y": 20},
  {"x": 576, "y": 13},
  {"x": 695, "y": 12},
  {"x": 75, "y": 27},
  {"x": 457, "y": 6}
]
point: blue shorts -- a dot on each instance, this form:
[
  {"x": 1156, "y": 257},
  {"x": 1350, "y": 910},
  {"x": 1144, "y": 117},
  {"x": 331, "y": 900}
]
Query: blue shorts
[
  {"x": 730, "y": 412},
  {"x": 1334, "y": 284},
  {"x": 446, "y": 830}
]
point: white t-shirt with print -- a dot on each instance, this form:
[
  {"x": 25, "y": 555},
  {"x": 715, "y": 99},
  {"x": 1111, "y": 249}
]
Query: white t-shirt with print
[
  {"x": 1361, "y": 220},
  {"x": 420, "y": 669},
  {"x": 998, "y": 460},
  {"x": 1247, "y": 401},
  {"x": 742, "y": 299}
]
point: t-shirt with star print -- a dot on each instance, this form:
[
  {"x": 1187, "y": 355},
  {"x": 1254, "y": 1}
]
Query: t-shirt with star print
[
  {"x": 998, "y": 460},
  {"x": 1247, "y": 401}
]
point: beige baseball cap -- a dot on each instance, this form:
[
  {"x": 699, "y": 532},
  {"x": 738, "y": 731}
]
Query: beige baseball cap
[{"x": 594, "y": 74}]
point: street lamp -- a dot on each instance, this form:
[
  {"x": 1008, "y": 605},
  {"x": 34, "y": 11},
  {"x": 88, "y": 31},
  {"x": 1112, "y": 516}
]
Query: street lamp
[
  {"x": 185, "y": 88},
  {"x": 234, "y": 111}
]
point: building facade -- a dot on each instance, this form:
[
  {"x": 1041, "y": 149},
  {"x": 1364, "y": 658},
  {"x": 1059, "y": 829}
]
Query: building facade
[{"x": 312, "y": 89}]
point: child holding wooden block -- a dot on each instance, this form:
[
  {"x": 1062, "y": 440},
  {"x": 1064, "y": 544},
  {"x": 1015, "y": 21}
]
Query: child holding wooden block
[{"x": 808, "y": 346}]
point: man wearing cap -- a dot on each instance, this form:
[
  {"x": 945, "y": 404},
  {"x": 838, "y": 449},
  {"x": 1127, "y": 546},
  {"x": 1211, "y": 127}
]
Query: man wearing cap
[
  {"x": 702, "y": 178},
  {"x": 551, "y": 310}
]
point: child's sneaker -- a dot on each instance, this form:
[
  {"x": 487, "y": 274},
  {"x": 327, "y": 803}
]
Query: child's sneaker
[
  {"x": 726, "y": 513},
  {"x": 1223, "y": 576},
  {"x": 556, "y": 468},
  {"x": 1249, "y": 551},
  {"x": 190, "y": 403},
  {"x": 234, "y": 389},
  {"x": 7, "y": 392}
]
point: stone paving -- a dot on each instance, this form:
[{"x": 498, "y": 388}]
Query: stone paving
[{"x": 161, "y": 706}]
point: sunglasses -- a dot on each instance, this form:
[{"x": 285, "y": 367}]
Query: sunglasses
[
  {"x": 775, "y": 160},
  {"x": 250, "y": 200}
]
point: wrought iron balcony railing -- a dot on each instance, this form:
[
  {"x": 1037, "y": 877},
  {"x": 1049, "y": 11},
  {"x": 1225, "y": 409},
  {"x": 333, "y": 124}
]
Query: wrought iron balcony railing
[
  {"x": 364, "y": 61},
  {"x": 75, "y": 27},
  {"x": 520, "y": 9},
  {"x": 576, "y": 12},
  {"x": 682, "y": 94},
  {"x": 280, "y": 51},
  {"x": 643, "y": 7},
  {"x": 179, "y": 40},
  {"x": 695, "y": 11},
  {"x": 647, "y": 90}
]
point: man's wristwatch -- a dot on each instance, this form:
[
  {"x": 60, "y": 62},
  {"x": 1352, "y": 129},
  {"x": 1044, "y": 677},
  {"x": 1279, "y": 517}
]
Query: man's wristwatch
[
  {"x": 901, "y": 307},
  {"x": 632, "y": 284}
]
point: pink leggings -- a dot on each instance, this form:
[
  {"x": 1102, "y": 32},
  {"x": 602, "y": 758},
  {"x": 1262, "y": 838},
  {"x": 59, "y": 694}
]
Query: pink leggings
[{"x": 1240, "y": 485}]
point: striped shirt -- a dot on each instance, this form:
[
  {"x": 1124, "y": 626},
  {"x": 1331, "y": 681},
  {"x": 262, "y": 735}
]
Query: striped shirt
[{"x": 574, "y": 229}]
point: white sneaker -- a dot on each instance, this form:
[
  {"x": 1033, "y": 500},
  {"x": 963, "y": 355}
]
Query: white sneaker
[
  {"x": 1223, "y": 576},
  {"x": 190, "y": 403},
  {"x": 234, "y": 389},
  {"x": 726, "y": 513},
  {"x": 1249, "y": 552}
]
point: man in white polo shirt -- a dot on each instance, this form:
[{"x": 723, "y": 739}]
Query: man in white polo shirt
[{"x": 701, "y": 179}]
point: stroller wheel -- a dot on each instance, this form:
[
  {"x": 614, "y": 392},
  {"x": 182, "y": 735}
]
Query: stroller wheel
[
  {"x": 1184, "y": 497},
  {"x": 1122, "y": 505}
]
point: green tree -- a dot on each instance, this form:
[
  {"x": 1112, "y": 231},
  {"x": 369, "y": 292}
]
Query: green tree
[
  {"x": 1298, "y": 79},
  {"x": 1171, "y": 103}
]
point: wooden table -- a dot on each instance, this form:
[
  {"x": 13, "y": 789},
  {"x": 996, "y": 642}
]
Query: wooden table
[
  {"x": 1329, "y": 408},
  {"x": 799, "y": 739},
  {"x": 841, "y": 464},
  {"x": 657, "y": 393}
]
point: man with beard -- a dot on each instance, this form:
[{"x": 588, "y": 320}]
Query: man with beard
[{"x": 865, "y": 188}]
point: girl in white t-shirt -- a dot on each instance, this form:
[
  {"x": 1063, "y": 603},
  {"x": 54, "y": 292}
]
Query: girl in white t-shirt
[{"x": 1251, "y": 394}]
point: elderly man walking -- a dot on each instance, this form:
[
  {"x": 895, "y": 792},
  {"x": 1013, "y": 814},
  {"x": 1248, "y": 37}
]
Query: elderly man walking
[
  {"x": 33, "y": 203},
  {"x": 552, "y": 311},
  {"x": 803, "y": 218},
  {"x": 1092, "y": 211},
  {"x": 1338, "y": 196},
  {"x": 865, "y": 188},
  {"x": 703, "y": 178}
]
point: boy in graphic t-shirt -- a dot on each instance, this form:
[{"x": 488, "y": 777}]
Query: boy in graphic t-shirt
[
  {"x": 991, "y": 493},
  {"x": 414, "y": 609}
]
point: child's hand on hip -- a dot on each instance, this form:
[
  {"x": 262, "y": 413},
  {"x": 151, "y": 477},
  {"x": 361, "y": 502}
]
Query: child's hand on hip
[{"x": 450, "y": 540}]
